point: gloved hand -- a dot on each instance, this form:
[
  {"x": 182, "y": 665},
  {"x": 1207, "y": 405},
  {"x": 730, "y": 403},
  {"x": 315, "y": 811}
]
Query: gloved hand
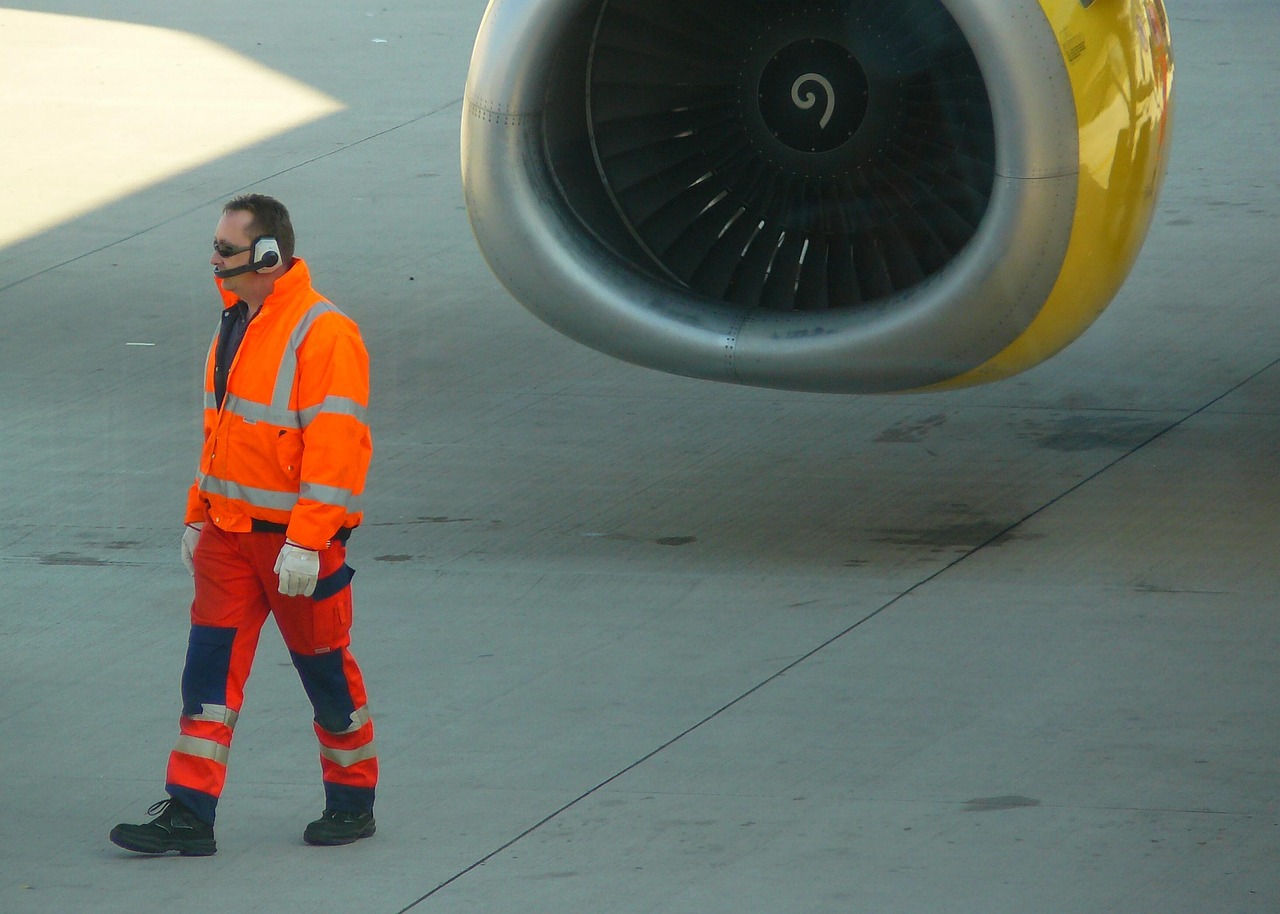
[
  {"x": 298, "y": 568},
  {"x": 190, "y": 536}
]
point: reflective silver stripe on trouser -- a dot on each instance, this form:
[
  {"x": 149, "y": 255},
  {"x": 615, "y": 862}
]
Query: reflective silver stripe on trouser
[
  {"x": 359, "y": 717},
  {"x": 219, "y": 714},
  {"x": 202, "y": 748},
  {"x": 348, "y": 757}
]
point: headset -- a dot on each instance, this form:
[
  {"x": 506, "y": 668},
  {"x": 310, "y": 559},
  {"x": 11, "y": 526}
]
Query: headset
[{"x": 264, "y": 256}]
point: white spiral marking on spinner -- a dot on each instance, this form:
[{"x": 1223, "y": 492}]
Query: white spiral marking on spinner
[{"x": 808, "y": 100}]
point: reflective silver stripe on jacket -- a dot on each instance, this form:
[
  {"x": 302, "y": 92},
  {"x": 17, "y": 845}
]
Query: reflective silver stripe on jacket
[
  {"x": 329, "y": 495},
  {"x": 263, "y": 498},
  {"x": 252, "y": 411},
  {"x": 202, "y": 748},
  {"x": 289, "y": 359},
  {"x": 213, "y": 348},
  {"x": 348, "y": 757},
  {"x": 279, "y": 501},
  {"x": 278, "y": 412},
  {"x": 210, "y": 398},
  {"x": 338, "y": 406}
]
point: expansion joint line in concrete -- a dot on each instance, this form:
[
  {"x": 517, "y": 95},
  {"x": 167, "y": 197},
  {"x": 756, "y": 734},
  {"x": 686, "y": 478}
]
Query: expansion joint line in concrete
[{"x": 832, "y": 640}]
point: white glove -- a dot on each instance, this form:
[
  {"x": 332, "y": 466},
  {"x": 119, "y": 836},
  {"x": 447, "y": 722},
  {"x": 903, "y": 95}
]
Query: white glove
[
  {"x": 298, "y": 568},
  {"x": 190, "y": 536}
]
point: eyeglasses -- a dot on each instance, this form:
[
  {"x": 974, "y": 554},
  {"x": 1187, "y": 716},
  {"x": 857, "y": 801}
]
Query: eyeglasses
[{"x": 229, "y": 250}]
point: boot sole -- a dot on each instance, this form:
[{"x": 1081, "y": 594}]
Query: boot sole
[
  {"x": 339, "y": 840},
  {"x": 200, "y": 847}
]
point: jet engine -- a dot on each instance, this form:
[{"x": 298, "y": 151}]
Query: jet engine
[{"x": 829, "y": 195}]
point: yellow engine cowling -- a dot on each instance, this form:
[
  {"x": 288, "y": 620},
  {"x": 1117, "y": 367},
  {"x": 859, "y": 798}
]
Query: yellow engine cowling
[{"x": 1120, "y": 64}]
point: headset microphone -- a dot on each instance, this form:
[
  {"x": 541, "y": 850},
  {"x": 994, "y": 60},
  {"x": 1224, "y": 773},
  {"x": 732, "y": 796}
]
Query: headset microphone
[
  {"x": 264, "y": 257},
  {"x": 235, "y": 271}
]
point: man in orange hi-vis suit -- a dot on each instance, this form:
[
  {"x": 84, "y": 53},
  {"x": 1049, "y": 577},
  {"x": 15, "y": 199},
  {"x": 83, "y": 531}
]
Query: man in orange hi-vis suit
[{"x": 286, "y": 449}]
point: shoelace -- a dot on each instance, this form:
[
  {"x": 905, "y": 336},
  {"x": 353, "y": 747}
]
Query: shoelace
[
  {"x": 338, "y": 815},
  {"x": 159, "y": 806}
]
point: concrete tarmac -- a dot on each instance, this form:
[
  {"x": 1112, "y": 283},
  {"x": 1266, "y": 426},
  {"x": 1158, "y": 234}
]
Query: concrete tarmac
[{"x": 637, "y": 643}]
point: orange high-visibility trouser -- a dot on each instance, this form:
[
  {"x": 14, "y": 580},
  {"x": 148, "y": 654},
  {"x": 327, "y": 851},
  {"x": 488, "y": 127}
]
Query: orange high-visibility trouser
[{"x": 236, "y": 589}]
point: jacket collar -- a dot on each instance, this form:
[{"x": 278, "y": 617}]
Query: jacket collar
[{"x": 295, "y": 280}]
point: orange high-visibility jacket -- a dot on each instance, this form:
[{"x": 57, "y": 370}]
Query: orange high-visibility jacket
[{"x": 290, "y": 445}]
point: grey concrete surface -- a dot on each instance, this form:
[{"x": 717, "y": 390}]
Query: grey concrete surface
[{"x": 637, "y": 643}]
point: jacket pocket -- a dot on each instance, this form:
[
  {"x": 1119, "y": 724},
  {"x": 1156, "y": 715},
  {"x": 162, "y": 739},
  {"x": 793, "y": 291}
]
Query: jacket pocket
[{"x": 289, "y": 453}]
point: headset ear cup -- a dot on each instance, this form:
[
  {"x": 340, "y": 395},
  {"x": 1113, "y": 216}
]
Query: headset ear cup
[{"x": 266, "y": 254}]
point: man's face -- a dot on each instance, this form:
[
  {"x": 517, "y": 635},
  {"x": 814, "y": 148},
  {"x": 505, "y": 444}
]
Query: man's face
[{"x": 234, "y": 230}]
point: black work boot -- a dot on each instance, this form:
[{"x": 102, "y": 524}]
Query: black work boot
[
  {"x": 336, "y": 827},
  {"x": 174, "y": 828}
]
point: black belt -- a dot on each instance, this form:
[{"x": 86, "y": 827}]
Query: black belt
[{"x": 266, "y": 526}]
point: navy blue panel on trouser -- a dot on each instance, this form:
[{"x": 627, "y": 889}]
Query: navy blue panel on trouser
[
  {"x": 334, "y": 583},
  {"x": 204, "y": 678},
  {"x": 202, "y": 806},
  {"x": 344, "y": 798},
  {"x": 325, "y": 680},
  {"x": 204, "y": 681}
]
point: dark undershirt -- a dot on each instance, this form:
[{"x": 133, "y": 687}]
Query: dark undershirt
[{"x": 235, "y": 320}]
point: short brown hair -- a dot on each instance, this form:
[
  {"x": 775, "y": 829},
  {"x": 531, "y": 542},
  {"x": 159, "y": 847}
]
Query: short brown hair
[{"x": 269, "y": 218}]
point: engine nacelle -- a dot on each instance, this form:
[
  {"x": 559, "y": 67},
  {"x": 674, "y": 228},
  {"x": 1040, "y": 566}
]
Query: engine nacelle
[{"x": 830, "y": 195}]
